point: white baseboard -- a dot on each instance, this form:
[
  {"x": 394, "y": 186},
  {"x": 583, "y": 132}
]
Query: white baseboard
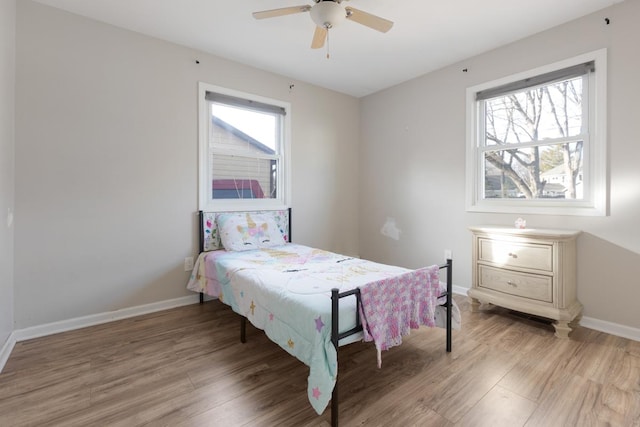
[
  {"x": 611, "y": 328},
  {"x": 97, "y": 319},
  {"x": 5, "y": 352},
  {"x": 459, "y": 290}
]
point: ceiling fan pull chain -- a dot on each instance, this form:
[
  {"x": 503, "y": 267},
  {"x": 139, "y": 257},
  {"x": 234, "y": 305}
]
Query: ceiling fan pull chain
[{"x": 328, "y": 43}]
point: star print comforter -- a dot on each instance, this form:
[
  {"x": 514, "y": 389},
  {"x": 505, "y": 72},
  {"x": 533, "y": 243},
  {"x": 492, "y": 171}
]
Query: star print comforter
[{"x": 286, "y": 291}]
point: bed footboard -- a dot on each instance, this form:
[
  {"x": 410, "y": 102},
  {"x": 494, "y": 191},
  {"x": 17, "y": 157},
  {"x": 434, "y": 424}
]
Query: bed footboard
[{"x": 336, "y": 336}]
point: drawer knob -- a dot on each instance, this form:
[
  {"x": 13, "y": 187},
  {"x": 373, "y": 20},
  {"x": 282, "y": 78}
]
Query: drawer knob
[
  {"x": 509, "y": 282},
  {"x": 512, "y": 255}
]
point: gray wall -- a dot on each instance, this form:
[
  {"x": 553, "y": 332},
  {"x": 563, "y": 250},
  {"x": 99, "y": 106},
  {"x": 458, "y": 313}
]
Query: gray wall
[
  {"x": 106, "y": 164},
  {"x": 413, "y": 163},
  {"x": 7, "y": 83}
]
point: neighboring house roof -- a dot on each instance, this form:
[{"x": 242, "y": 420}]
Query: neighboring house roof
[
  {"x": 558, "y": 170},
  {"x": 243, "y": 136}
]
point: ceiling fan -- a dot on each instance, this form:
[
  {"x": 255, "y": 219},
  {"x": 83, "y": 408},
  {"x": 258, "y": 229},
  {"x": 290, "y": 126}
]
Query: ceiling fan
[{"x": 327, "y": 14}]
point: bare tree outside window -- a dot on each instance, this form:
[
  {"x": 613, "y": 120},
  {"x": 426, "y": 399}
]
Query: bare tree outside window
[{"x": 533, "y": 142}]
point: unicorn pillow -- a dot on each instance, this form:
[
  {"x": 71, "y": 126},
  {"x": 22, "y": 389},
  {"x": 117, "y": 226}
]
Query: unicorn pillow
[{"x": 246, "y": 231}]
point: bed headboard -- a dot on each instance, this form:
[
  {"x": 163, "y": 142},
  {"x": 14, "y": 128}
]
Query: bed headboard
[{"x": 210, "y": 238}]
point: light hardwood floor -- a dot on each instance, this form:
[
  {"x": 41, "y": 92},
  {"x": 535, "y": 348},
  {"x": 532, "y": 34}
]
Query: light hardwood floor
[{"x": 186, "y": 367}]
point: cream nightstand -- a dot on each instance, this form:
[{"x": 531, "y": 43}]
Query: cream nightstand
[{"x": 528, "y": 270}]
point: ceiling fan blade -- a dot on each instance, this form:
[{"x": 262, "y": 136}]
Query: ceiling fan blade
[
  {"x": 319, "y": 36},
  {"x": 369, "y": 20},
  {"x": 281, "y": 12}
]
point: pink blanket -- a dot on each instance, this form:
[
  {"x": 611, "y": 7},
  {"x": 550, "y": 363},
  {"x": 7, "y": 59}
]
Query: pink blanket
[{"x": 392, "y": 307}]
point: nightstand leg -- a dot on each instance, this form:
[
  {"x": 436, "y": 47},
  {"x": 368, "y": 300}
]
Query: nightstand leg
[
  {"x": 562, "y": 329},
  {"x": 575, "y": 322},
  {"x": 475, "y": 305}
]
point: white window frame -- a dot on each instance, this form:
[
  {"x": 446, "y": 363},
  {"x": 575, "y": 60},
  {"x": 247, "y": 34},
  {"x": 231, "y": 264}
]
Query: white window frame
[
  {"x": 283, "y": 191},
  {"x": 595, "y": 201}
]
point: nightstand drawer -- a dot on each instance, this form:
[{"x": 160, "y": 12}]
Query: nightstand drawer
[
  {"x": 531, "y": 286},
  {"x": 512, "y": 254}
]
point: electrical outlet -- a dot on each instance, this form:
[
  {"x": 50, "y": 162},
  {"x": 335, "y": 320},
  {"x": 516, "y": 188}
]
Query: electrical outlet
[
  {"x": 188, "y": 263},
  {"x": 447, "y": 254}
]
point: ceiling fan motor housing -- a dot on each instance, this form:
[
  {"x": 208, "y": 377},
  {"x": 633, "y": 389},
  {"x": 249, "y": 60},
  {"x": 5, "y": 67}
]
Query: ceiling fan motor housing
[{"x": 327, "y": 14}]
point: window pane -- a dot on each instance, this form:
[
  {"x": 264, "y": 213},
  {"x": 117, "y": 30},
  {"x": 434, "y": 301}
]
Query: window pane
[
  {"x": 546, "y": 112},
  {"x": 242, "y": 128},
  {"x": 544, "y": 172},
  {"x": 239, "y": 177},
  {"x": 244, "y": 153}
]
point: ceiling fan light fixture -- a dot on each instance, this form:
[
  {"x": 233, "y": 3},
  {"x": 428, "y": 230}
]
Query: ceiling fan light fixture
[{"x": 327, "y": 14}]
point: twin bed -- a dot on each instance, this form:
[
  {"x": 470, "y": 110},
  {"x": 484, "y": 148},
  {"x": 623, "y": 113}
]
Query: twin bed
[{"x": 310, "y": 301}]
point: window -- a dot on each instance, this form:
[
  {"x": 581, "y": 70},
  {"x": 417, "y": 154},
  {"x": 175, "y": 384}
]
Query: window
[
  {"x": 243, "y": 145},
  {"x": 537, "y": 141}
]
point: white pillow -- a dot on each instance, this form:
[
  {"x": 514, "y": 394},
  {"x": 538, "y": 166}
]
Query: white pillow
[{"x": 246, "y": 231}]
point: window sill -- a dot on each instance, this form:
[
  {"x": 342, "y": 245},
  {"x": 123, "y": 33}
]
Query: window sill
[{"x": 539, "y": 208}]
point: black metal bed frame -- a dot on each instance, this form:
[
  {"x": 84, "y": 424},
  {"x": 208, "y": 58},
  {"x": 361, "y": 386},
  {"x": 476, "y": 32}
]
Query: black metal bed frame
[{"x": 336, "y": 336}]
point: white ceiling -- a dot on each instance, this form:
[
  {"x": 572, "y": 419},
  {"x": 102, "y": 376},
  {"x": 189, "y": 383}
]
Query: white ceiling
[{"x": 427, "y": 35}]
